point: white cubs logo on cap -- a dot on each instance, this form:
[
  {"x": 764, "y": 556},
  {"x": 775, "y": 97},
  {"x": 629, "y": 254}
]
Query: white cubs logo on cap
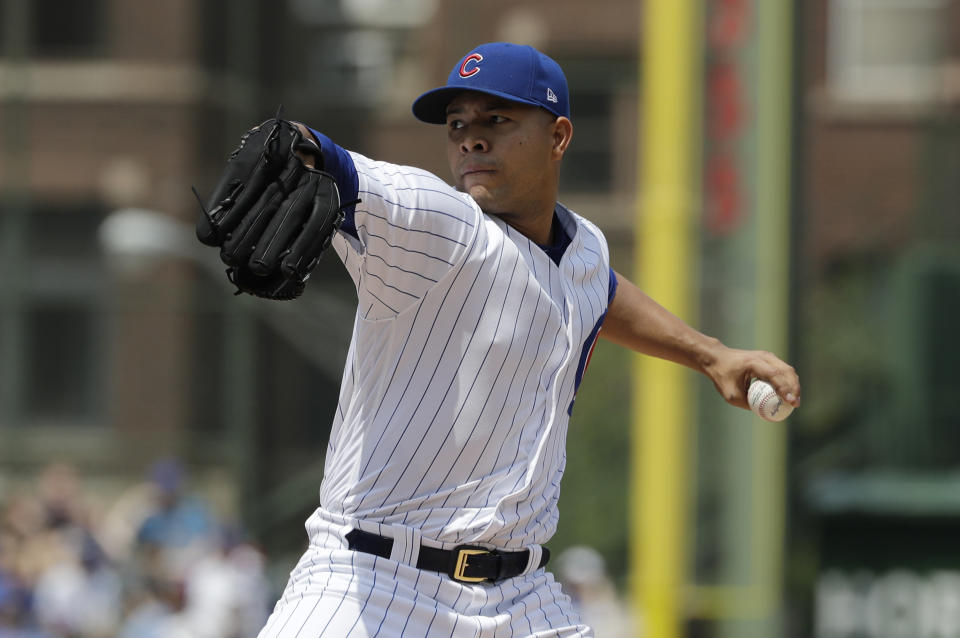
[{"x": 476, "y": 58}]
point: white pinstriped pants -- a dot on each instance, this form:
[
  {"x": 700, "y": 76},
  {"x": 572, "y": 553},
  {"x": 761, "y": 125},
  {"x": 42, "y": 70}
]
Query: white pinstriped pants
[{"x": 335, "y": 592}]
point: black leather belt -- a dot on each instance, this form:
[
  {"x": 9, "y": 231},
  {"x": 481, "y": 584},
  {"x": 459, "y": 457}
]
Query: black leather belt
[{"x": 465, "y": 563}]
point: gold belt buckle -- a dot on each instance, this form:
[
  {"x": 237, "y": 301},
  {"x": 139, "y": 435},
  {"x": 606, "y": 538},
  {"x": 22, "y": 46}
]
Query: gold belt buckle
[{"x": 458, "y": 571}]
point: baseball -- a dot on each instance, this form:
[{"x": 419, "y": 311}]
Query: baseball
[{"x": 765, "y": 403}]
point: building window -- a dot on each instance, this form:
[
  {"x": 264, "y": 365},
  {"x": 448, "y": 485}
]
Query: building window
[
  {"x": 62, "y": 339},
  {"x": 593, "y": 84},
  {"x": 67, "y": 28},
  {"x": 886, "y": 51},
  {"x": 588, "y": 165}
]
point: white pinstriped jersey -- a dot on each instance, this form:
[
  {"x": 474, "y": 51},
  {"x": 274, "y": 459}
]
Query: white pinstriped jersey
[{"x": 468, "y": 346}]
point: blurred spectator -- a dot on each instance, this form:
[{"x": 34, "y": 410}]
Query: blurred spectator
[
  {"x": 61, "y": 498},
  {"x": 27, "y": 548},
  {"x": 81, "y": 595},
  {"x": 181, "y": 528},
  {"x": 583, "y": 573},
  {"x": 228, "y": 592},
  {"x": 14, "y": 598},
  {"x": 170, "y": 572},
  {"x": 157, "y": 612},
  {"x": 121, "y": 522},
  {"x": 30, "y": 544}
]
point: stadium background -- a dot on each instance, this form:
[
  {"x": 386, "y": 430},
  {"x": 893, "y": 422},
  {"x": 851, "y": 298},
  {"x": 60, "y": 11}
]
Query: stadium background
[{"x": 122, "y": 346}]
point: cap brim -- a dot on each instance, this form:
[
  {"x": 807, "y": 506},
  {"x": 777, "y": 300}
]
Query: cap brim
[{"x": 431, "y": 107}]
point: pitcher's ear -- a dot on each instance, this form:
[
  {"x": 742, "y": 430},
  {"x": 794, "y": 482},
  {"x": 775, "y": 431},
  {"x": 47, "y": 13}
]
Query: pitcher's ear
[{"x": 562, "y": 134}]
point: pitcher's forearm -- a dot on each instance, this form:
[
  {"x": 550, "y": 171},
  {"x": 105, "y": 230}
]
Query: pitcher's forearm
[{"x": 636, "y": 321}]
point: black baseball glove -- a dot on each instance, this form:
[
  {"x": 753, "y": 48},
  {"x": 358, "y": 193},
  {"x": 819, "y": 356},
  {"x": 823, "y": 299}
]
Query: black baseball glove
[{"x": 270, "y": 214}]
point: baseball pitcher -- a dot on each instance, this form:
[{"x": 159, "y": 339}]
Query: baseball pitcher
[{"x": 478, "y": 306}]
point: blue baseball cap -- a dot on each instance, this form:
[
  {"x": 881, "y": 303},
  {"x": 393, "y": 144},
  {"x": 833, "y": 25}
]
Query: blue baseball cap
[{"x": 515, "y": 72}]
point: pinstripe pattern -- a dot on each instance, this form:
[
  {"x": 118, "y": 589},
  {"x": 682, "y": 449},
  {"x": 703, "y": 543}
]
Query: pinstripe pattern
[
  {"x": 454, "y": 405},
  {"x": 468, "y": 346}
]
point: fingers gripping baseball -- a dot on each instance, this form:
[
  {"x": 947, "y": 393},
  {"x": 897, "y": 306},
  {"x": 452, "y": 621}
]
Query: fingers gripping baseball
[
  {"x": 782, "y": 377},
  {"x": 733, "y": 370}
]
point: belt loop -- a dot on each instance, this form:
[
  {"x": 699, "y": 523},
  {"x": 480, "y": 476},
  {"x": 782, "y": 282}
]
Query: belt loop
[
  {"x": 416, "y": 542},
  {"x": 406, "y": 544},
  {"x": 533, "y": 559}
]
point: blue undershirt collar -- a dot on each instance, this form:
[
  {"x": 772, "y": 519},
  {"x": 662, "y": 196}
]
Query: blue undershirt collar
[{"x": 560, "y": 241}]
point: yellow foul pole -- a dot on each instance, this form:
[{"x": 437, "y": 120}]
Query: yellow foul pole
[{"x": 666, "y": 227}]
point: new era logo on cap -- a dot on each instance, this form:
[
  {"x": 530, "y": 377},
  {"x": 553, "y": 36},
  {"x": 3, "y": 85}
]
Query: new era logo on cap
[{"x": 515, "y": 72}]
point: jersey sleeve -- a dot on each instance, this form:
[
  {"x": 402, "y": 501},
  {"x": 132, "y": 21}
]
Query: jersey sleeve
[{"x": 409, "y": 229}]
